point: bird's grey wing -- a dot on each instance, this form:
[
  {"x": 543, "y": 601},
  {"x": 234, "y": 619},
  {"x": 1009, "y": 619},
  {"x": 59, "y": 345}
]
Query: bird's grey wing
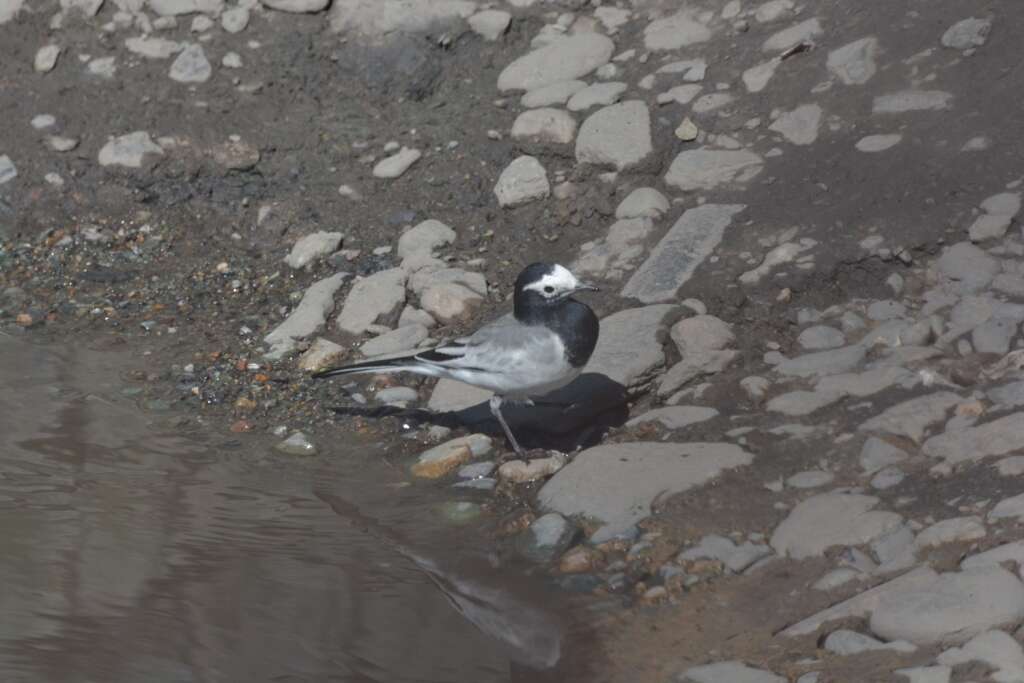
[{"x": 491, "y": 348}]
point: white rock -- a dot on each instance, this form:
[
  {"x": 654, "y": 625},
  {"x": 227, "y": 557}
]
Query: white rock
[
  {"x": 756, "y": 77},
  {"x": 926, "y": 674},
  {"x": 166, "y": 8},
  {"x": 378, "y": 18},
  {"x": 424, "y": 238},
  {"x": 967, "y": 33},
  {"x": 41, "y": 121},
  {"x": 9, "y": 8},
  {"x": 831, "y": 519},
  {"x": 370, "y": 298},
  {"x": 320, "y": 355},
  {"x": 729, "y": 672},
  {"x": 674, "y": 32},
  {"x": 878, "y": 143},
  {"x": 46, "y": 57},
  {"x": 951, "y": 531},
  {"x": 799, "y": 126},
  {"x": 555, "y": 93},
  {"x": 231, "y": 60},
  {"x": 805, "y": 31},
  {"x": 154, "y": 48},
  {"x": 490, "y": 24},
  {"x": 396, "y": 164},
  {"x": 565, "y": 59},
  {"x": 675, "y": 417},
  {"x": 7, "y": 169},
  {"x": 235, "y": 19},
  {"x": 201, "y": 24},
  {"x": 191, "y": 66},
  {"x": 912, "y": 100},
  {"x": 59, "y": 143},
  {"x": 308, "y": 317},
  {"x": 846, "y": 642},
  {"x": 706, "y": 169},
  {"x": 401, "y": 339},
  {"x": 545, "y": 125},
  {"x": 103, "y": 67},
  {"x": 643, "y": 202},
  {"x": 681, "y": 94},
  {"x": 523, "y": 181},
  {"x": 596, "y": 94},
  {"x": 312, "y": 247},
  {"x": 912, "y": 418},
  {"x": 296, "y": 6},
  {"x": 618, "y": 136},
  {"x": 810, "y": 479},
  {"x": 854, "y": 63},
  {"x": 128, "y": 150},
  {"x": 691, "y": 70}
]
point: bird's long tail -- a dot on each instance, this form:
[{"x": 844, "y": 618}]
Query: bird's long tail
[{"x": 400, "y": 364}]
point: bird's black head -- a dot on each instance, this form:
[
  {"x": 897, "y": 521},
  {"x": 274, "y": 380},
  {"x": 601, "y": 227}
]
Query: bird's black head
[{"x": 542, "y": 286}]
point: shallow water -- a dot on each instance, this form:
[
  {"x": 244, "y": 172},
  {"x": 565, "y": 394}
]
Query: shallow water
[{"x": 130, "y": 551}]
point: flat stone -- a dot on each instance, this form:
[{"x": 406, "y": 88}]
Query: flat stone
[
  {"x": 555, "y": 93},
  {"x": 320, "y": 355},
  {"x": 128, "y": 150},
  {"x": 681, "y": 94},
  {"x": 712, "y": 101},
  {"x": 955, "y": 530},
  {"x": 998, "y": 437},
  {"x": 398, "y": 163},
  {"x": 296, "y": 6},
  {"x": 1008, "y": 508},
  {"x": 235, "y": 20},
  {"x": 170, "y": 8},
  {"x": 799, "y": 126},
  {"x": 629, "y": 349},
  {"x": 854, "y": 63},
  {"x": 8, "y": 171},
  {"x": 1002, "y": 204},
  {"x": 618, "y": 252},
  {"x": 675, "y": 31},
  {"x": 643, "y": 202},
  {"x": 926, "y": 674},
  {"x": 675, "y": 417},
  {"x": 8, "y": 9},
  {"x": 371, "y": 298},
  {"x": 490, "y": 24},
  {"x": 565, "y": 59},
  {"x": 525, "y": 471},
  {"x": 691, "y": 70},
  {"x": 954, "y": 607},
  {"x": 912, "y": 418},
  {"x": 597, "y": 94},
  {"x": 103, "y": 67},
  {"x": 59, "y": 143},
  {"x": 988, "y": 227},
  {"x": 545, "y": 125},
  {"x": 831, "y": 519},
  {"x": 523, "y": 181},
  {"x": 42, "y": 121},
  {"x": 822, "y": 362},
  {"x": 877, "y": 454},
  {"x": 546, "y": 538},
  {"x": 312, "y": 247},
  {"x": 404, "y": 338},
  {"x": 154, "y": 48},
  {"x": 683, "y": 248},
  {"x": 1008, "y": 395},
  {"x": 308, "y": 317},
  {"x": 696, "y": 365},
  {"x": 701, "y": 333},
  {"x": 773, "y": 10},
  {"x": 845, "y": 642},
  {"x": 618, "y": 135},
  {"x": 810, "y": 479},
  {"x": 997, "y": 649},
  {"x": 836, "y": 578},
  {"x": 756, "y": 78},
  {"x": 450, "y": 301},
  {"x": 615, "y": 484},
  {"x": 886, "y": 310},
  {"x": 728, "y": 672},
  {"x": 736, "y": 558},
  {"x": 878, "y": 143},
  {"x": 912, "y": 100},
  {"x": 797, "y": 403},
  {"x": 381, "y": 18},
  {"x": 452, "y": 396},
  {"x": 46, "y": 58},
  {"x": 706, "y": 169},
  {"x": 805, "y": 31},
  {"x": 426, "y": 237},
  {"x": 968, "y": 267},
  {"x": 820, "y": 337},
  {"x": 994, "y": 335},
  {"x": 445, "y": 458},
  {"x": 967, "y": 33},
  {"x": 191, "y": 65},
  {"x": 887, "y": 477}
]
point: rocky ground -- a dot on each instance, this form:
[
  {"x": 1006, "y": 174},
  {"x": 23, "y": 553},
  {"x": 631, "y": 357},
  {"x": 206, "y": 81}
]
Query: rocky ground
[{"x": 801, "y": 450}]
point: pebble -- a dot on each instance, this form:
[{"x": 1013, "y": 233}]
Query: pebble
[
  {"x": 235, "y": 20},
  {"x": 191, "y": 66},
  {"x": 523, "y": 471},
  {"x": 887, "y": 477},
  {"x": 803, "y": 32},
  {"x": 396, "y": 164},
  {"x": 46, "y": 58},
  {"x": 674, "y": 32},
  {"x": 296, "y": 444},
  {"x": 308, "y": 317},
  {"x": 299, "y": 6},
  {"x": 799, "y": 126},
  {"x": 953, "y": 530},
  {"x": 886, "y": 310},
  {"x": 201, "y": 24},
  {"x": 475, "y": 470},
  {"x": 545, "y": 125},
  {"x": 967, "y": 33},
  {"x": 706, "y": 169},
  {"x": 490, "y": 24},
  {"x": 701, "y": 333},
  {"x": 854, "y": 63},
  {"x": 994, "y": 335},
  {"x": 680, "y": 94},
  {"x": 618, "y": 135},
  {"x": 595, "y": 95},
  {"x": 546, "y": 538},
  {"x": 728, "y": 672},
  {"x": 618, "y": 252},
  {"x": 128, "y": 150},
  {"x": 555, "y": 93},
  {"x": 643, "y": 202},
  {"x": 845, "y": 642},
  {"x": 523, "y": 181},
  {"x": 404, "y": 338},
  {"x": 878, "y": 143},
  {"x": 820, "y": 337},
  {"x": 912, "y": 100},
  {"x": 773, "y": 10},
  {"x": 41, "y": 121},
  {"x": 445, "y": 458},
  {"x": 449, "y": 302},
  {"x": 756, "y": 78},
  {"x": 425, "y": 238},
  {"x": 827, "y": 362},
  {"x": 967, "y": 267},
  {"x": 59, "y": 143},
  {"x": 675, "y": 417},
  {"x": 836, "y": 578},
  {"x": 568, "y": 58},
  {"x": 372, "y": 297},
  {"x": 810, "y": 479},
  {"x": 153, "y": 48},
  {"x": 998, "y": 437},
  {"x": 320, "y": 355},
  {"x": 831, "y": 519},
  {"x": 312, "y": 247},
  {"x": 104, "y": 67},
  {"x": 231, "y": 60},
  {"x": 913, "y": 417}
]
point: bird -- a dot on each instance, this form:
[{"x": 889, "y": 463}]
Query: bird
[{"x": 542, "y": 346}]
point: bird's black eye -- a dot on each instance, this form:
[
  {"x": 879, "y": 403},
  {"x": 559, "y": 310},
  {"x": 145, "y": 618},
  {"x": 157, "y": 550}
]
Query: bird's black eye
[{"x": 549, "y": 289}]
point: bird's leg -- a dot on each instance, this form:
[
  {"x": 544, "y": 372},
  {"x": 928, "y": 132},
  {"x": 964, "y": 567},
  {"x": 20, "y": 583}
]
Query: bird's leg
[{"x": 495, "y": 404}]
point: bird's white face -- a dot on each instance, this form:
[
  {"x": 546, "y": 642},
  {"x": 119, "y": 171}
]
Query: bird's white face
[{"x": 556, "y": 284}]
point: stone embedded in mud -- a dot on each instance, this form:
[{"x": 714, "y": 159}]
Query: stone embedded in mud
[
  {"x": 424, "y": 238},
  {"x": 308, "y": 317},
  {"x": 700, "y": 363},
  {"x": 46, "y": 58},
  {"x": 153, "y": 47},
  {"x": 321, "y": 355},
  {"x": 846, "y": 642},
  {"x": 555, "y": 93},
  {"x": 821, "y": 337},
  {"x": 955, "y": 530},
  {"x": 799, "y": 126},
  {"x": 596, "y": 94},
  {"x": 854, "y": 63},
  {"x": 448, "y": 302},
  {"x": 546, "y": 538},
  {"x": 128, "y": 150},
  {"x": 296, "y": 444},
  {"x": 447, "y": 457},
  {"x": 565, "y": 59},
  {"x": 701, "y": 333},
  {"x": 404, "y": 338},
  {"x": 616, "y": 483},
  {"x": 629, "y": 347},
  {"x": 378, "y": 18},
  {"x": 103, "y": 67},
  {"x": 191, "y": 66},
  {"x": 706, "y": 169},
  {"x": 8, "y": 171},
  {"x": 296, "y": 6},
  {"x": 235, "y": 19},
  {"x": 831, "y": 519},
  {"x": 675, "y": 417},
  {"x": 756, "y": 77},
  {"x": 643, "y": 202},
  {"x": 675, "y": 31},
  {"x": 617, "y": 136},
  {"x": 545, "y": 125},
  {"x": 735, "y": 558},
  {"x": 728, "y": 672},
  {"x": 912, "y": 100},
  {"x": 167, "y": 8},
  {"x": 822, "y": 362},
  {"x": 878, "y": 143},
  {"x": 490, "y": 24},
  {"x": 524, "y": 471},
  {"x": 967, "y": 33},
  {"x": 523, "y": 181},
  {"x": 913, "y": 417},
  {"x": 396, "y": 164},
  {"x": 312, "y": 247},
  {"x": 372, "y": 298},
  {"x": 803, "y": 32}
]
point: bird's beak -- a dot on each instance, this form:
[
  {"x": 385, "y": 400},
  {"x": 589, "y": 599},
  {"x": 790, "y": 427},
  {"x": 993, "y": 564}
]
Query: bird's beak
[{"x": 584, "y": 287}]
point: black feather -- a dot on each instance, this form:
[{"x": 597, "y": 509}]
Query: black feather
[{"x": 365, "y": 366}]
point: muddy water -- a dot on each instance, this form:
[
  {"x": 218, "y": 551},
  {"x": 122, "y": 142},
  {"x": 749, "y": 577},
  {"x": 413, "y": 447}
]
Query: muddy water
[{"x": 130, "y": 551}]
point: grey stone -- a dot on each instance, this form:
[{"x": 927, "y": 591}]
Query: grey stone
[
  {"x": 46, "y": 58},
  {"x": 887, "y": 477},
  {"x": 854, "y": 63},
  {"x": 379, "y": 18},
  {"x": 296, "y": 6},
  {"x": 545, "y": 125},
  {"x": 691, "y": 70},
  {"x": 128, "y": 150},
  {"x": 401, "y": 339},
  {"x": 676, "y": 257},
  {"x": 296, "y": 444},
  {"x": 967, "y": 33},
  {"x": 951, "y": 608},
  {"x": 1007, "y": 552},
  {"x": 1008, "y": 508},
  {"x": 912, "y": 418},
  {"x": 643, "y": 202},
  {"x": 1002, "y": 204},
  {"x": 450, "y": 395},
  {"x": 191, "y": 65},
  {"x": 371, "y": 298},
  {"x": 555, "y": 93},
  {"x": 1012, "y": 466},
  {"x": 490, "y": 24},
  {"x": 735, "y": 558},
  {"x": 449, "y": 302},
  {"x": 988, "y": 227},
  {"x": 912, "y": 100},
  {"x": 1008, "y": 395},
  {"x": 994, "y": 335},
  {"x": 794, "y": 35},
  {"x": 426, "y": 278},
  {"x": 424, "y": 238},
  {"x": 846, "y": 642},
  {"x": 9, "y": 8},
  {"x": 773, "y": 10},
  {"x": 523, "y": 181},
  {"x": 88, "y": 8},
  {"x": 999, "y": 650},
  {"x": 320, "y": 355},
  {"x": 878, "y": 143},
  {"x": 711, "y": 102},
  {"x": 810, "y": 479},
  {"x": 675, "y": 31},
  {"x": 831, "y": 519},
  {"x": 821, "y": 337},
  {"x": 796, "y": 403},
  {"x": 822, "y": 362},
  {"x": 680, "y": 94},
  {"x": 308, "y": 317},
  {"x": 701, "y": 333},
  {"x": 565, "y": 59},
  {"x": 926, "y": 674},
  {"x": 953, "y": 530},
  {"x": 675, "y": 417},
  {"x": 618, "y": 252},
  {"x": 235, "y": 20},
  {"x": 615, "y": 484},
  {"x": 400, "y": 395},
  {"x": 629, "y": 349},
  {"x": 698, "y": 364},
  {"x": 546, "y": 538},
  {"x": 728, "y": 672},
  {"x": 836, "y": 578},
  {"x": 886, "y": 310},
  {"x": 104, "y": 67},
  {"x": 706, "y": 169},
  {"x": 447, "y": 457},
  {"x": 756, "y": 77},
  {"x": 397, "y": 164},
  {"x": 877, "y": 454},
  {"x": 154, "y": 48},
  {"x": 312, "y": 247},
  {"x": 476, "y": 470},
  {"x": 170, "y": 8},
  {"x": 617, "y": 136},
  {"x": 596, "y": 94},
  {"x": 799, "y": 126},
  {"x": 997, "y": 437},
  {"x": 8, "y": 171}
]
